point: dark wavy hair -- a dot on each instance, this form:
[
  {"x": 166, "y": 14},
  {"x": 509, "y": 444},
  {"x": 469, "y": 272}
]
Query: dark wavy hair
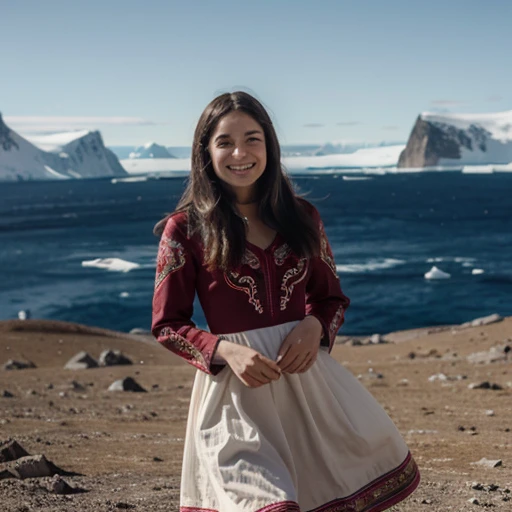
[{"x": 210, "y": 205}]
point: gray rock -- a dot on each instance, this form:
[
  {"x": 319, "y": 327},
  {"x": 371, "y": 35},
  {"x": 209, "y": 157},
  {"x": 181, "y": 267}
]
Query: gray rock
[
  {"x": 488, "y": 463},
  {"x": 11, "y": 450},
  {"x": 59, "y": 486},
  {"x": 376, "y": 339},
  {"x": 495, "y": 354},
  {"x": 485, "y": 320},
  {"x": 81, "y": 361},
  {"x": 33, "y": 466},
  {"x": 127, "y": 384},
  {"x": 485, "y": 385},
  {"x": 113, "y": 358},
  {"x": 18, "y": 365}
]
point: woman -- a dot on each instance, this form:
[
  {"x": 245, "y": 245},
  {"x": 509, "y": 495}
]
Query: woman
[{"x": 275, "y": 424}]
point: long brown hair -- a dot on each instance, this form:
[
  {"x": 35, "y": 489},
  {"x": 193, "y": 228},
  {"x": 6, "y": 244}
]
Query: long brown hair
[{"x": 210, "y": 206}]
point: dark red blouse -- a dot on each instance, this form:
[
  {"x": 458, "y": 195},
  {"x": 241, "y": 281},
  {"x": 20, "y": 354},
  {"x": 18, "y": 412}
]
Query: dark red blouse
[{"x": 273, "y": 286}]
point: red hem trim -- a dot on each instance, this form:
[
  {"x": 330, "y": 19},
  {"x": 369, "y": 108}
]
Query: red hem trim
[{"x": 379, "y": 495}]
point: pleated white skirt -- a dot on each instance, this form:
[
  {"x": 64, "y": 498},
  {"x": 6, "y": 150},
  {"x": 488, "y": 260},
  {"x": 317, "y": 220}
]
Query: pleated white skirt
[{"x": 316, "y": 441}]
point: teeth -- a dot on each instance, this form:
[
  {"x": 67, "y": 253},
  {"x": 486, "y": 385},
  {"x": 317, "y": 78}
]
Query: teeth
[{"x": 240, "y": 167}]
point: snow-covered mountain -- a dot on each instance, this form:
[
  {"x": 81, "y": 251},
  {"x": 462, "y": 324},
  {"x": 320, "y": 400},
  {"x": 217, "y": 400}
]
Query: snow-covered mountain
[
  {"x": 459, "y": 139},
  {"x": 151, "y": 150},
  {"x": 58, "y": 156}
]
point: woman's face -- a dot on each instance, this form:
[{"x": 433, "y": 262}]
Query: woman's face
[{"x": 238, "y": 152}]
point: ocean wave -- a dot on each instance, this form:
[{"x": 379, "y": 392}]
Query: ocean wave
[{"x": 369, "y": 266}]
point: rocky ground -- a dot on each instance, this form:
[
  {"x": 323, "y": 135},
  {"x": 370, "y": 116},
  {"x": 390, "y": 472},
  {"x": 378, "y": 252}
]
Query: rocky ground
[{"x": 122, "y": 450}]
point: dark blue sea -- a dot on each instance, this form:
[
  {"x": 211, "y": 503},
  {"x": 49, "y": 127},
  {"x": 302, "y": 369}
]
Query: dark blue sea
[{"x": 386, "y": 232}]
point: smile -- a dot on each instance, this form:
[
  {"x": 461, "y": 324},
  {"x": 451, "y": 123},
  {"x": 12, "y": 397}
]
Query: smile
[{"x": 240, "y": 167}]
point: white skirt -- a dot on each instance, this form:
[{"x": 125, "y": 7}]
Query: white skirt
[{"x": 315, "y": 441}]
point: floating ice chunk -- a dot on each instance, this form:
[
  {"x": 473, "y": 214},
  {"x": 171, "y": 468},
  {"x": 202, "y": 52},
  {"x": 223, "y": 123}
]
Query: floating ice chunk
[
  {"x": 435, "y": 273},
  {"x": 113, "y": 264},
  {"x": 477, "y": 271}
]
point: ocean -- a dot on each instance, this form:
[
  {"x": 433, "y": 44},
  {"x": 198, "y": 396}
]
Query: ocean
[{"x": 386, "y": 232}]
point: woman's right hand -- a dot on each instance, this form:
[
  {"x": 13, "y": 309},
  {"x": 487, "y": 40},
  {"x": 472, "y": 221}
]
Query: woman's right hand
[{"x": 251, "y": 367}]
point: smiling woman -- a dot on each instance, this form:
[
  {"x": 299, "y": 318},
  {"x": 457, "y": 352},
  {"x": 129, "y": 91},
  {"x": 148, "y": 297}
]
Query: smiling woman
[{"x": 275, "y": 424}]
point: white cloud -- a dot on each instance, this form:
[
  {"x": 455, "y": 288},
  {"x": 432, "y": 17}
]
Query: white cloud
[{"x": 54, "y": 124}]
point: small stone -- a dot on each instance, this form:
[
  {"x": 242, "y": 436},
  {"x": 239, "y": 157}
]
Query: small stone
[
  {"x": 157, "y": 459},
  {"x": 7, "y": 394},
  {"x": 474, "y": 501},
  {"x": 438, "y": 376},
  {"x": 376, "y": 339},
  {"x": 124, "y": 506},
  {"x": 11, "y": 450},
  {"x": 477, "y": 486},
  {"x": 59, "y": 486},
  {"x": 426, "y": 501},
  {"x": 113, "y": 358},
  {"x": 488, "y": 463},
  {"x": 81, "y": 361},
  {"x": 485, "y": 385},
  {"x": 489, "y": 412},
  {"x": 11, "y": 364},
  {"x": 127, "y": 384}
]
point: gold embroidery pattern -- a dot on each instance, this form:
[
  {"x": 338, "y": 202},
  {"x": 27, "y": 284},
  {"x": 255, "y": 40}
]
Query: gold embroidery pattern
[
  {"x": 294, "y": 275},
  {"x": 182, "y": 347},
  {"x": 335, "y": 324},
  {"x": 249, "y": 258},
  {"x": 386, "y": 491},
  {"x": 244, "y": 284},
  {"x": 396, "y": 486},
  {"x": 171, "y": 257},
  {"x": 281, "y": 253},
  {"x": 325, "y": 251}
]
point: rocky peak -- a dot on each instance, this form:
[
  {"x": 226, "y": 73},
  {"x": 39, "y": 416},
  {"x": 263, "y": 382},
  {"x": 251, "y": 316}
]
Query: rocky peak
[{"x": 6, "y": 141}]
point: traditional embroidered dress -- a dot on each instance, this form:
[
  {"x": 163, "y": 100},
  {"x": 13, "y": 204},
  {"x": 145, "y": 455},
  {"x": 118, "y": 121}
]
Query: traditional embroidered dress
[{"x": 309, "y": 442}]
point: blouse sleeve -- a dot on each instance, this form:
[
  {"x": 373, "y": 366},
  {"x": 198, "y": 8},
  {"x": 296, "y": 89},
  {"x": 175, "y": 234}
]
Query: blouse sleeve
[
  {"x": 173, "y": 302},
  {"x": 324, "y": 297}
]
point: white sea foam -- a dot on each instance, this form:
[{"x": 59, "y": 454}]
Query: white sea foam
[
  {"x": 436, "y": 273},
  {"x": 111, "y": 264},
  {"x": 369, "y": 266},
  {"x": 131, "y": 179},
  {"x": 477, "y": 271}
]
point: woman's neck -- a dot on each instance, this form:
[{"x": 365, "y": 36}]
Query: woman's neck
[{"x": 249, "y": 210}]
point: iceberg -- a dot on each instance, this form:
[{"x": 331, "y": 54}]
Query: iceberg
[
  {"x": 59, "y": 156},
  {"x": 436, "y": 273}
]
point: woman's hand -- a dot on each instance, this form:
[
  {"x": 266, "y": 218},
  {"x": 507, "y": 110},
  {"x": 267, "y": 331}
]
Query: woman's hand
[
  {"x": 299, "y": 349},
  {"x": 251, "y": 367}
]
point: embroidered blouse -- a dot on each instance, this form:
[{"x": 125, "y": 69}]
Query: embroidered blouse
[{"x": 272, "y": 286}]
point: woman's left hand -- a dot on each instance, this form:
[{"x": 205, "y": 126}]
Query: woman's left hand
[{"x": 299, "y": 349}]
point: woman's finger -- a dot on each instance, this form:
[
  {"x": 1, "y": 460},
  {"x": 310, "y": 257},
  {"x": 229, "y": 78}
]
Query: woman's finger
[
  {"x": 299, "y": 363},
  {"x": 309, "y": 363}
]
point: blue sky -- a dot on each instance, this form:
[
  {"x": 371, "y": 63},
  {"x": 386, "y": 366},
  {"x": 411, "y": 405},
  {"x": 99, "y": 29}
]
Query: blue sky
[{"x": 327, "y": 70}]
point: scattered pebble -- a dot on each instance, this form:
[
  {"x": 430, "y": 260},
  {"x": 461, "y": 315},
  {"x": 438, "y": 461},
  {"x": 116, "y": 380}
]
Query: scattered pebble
[{"x": 488, "y": 463}]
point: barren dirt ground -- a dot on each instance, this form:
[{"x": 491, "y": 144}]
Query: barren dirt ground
[{"x": 127, "y": 447}]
